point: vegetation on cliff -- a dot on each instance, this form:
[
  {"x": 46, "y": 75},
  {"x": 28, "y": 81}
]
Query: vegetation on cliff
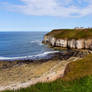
[
  {"x": 71, "y": 33},
  {"x": 77, "y": 78}
]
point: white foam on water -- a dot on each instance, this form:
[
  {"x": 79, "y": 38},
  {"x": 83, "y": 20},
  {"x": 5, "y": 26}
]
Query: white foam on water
[
  {"x": 37, "y": 42},
  {"x": 29, "y": 57}
]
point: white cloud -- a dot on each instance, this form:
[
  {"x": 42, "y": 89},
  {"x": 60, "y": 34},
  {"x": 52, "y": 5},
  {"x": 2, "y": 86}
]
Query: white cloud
[{"x": 65, "y": 8}]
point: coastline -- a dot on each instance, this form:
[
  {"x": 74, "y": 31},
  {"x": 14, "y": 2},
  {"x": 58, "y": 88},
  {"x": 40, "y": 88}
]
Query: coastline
[
  {"x": 55, "y": 72},
  {"x": 44, "y": 55},
  {"x": 49, "y": 70},
  {"x": 21, "y": 72}
]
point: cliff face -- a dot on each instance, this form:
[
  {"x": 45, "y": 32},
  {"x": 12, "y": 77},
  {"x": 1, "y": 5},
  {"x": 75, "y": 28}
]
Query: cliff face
[{"x": 68, "y": 43}]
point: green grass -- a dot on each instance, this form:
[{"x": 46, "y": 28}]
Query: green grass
[
  {"x": 80, "y": 85},
  {"x": 78, "y": 78},
  {"x": 71, "y": 33}
]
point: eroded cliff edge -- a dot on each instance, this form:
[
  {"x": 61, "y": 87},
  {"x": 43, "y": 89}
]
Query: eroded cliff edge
[{"x": 70, "y": 38}]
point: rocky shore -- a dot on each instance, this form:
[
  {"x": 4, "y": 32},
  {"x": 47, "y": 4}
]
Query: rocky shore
[
  {"x": 21, "y": 74},
  {"x": 60, "y": 55}
]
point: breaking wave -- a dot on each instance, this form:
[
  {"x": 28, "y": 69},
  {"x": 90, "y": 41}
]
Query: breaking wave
[
  {"x": 38, "y": 56},
  {"x": 37, "y": 42}
]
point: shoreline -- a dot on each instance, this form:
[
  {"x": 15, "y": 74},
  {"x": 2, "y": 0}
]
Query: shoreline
[
  {"x": 58, "y": 55},
  {"x": 48, "y": 76},
  {"x": 44, "y": 55},
  {"x": 49, "y": 70}
]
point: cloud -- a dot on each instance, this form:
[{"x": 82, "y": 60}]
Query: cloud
[{"x": 63, "y": 8}]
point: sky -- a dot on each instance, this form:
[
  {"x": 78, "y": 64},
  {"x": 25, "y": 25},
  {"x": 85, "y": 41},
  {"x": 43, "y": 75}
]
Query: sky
[{"x": 44, "y": 15}]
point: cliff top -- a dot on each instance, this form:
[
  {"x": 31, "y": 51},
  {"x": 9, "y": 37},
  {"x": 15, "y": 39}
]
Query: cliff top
[{"x": 71, "y": 33}]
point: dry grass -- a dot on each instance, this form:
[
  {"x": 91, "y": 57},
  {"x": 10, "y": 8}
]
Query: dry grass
[{"x": 78, "y": 69}]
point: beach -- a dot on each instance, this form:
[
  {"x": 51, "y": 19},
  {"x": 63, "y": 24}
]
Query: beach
[{"x": 22, "y": 74}]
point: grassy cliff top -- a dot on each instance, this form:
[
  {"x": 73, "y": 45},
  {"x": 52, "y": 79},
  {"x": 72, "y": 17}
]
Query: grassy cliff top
[{"x": 71, "y": 33}]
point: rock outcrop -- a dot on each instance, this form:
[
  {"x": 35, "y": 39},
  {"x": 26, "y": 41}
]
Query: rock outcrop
[{"x": 68, "y": 43}]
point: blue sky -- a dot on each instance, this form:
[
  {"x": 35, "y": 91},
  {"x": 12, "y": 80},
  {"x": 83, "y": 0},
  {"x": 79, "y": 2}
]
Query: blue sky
[{"x": 44, "y": 15}]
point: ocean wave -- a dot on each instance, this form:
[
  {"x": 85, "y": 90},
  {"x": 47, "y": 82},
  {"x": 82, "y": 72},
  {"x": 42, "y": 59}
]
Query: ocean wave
[
  {"x": 38, "y": 56},
  {"x": 37, "y": 42}
]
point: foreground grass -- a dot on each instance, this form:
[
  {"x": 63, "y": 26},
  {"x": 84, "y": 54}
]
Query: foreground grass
[
  {"x": 80, "y": 85},
  {"x": 78, "y": 78},
  {"x": 71, "y": 33}
]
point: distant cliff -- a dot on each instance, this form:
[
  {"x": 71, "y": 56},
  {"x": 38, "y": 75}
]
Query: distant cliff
[{"x": 70, "y": 38}]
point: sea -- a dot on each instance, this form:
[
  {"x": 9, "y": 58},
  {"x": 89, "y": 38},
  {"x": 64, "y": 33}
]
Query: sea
[{"x": 23, "y": 45}]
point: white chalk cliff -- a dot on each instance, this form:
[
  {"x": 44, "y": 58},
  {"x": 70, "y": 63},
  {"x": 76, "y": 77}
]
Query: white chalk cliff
[{"x": 68, "y": 43}]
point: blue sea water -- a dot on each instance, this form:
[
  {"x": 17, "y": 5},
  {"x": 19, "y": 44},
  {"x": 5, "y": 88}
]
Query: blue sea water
[{"x": 18, "y": 45}]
